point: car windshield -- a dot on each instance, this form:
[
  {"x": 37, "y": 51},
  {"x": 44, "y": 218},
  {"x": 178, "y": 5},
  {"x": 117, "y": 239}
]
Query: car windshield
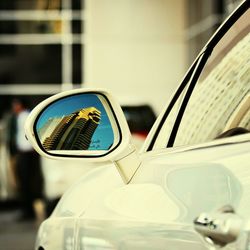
[{"x": 219, "y": 105}]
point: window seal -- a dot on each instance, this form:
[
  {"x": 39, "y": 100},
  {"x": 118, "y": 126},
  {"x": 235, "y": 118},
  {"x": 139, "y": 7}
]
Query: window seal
[
  {"x": 194, "y": 79},
  {"x": 179, "y": 91}
]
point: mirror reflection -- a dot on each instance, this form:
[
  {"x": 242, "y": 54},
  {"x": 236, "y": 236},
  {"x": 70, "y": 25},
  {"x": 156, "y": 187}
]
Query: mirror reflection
[{"x": 78, "y": 122}]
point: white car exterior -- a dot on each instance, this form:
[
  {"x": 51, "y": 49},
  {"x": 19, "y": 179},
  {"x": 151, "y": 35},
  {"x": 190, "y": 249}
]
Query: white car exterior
[
  {"x": 187, "y": 165},
  {"x": 111, "y": 215}
]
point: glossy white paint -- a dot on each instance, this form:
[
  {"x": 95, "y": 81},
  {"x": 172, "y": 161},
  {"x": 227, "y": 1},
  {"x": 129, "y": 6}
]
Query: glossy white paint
[{"x": 211, "y": 177}]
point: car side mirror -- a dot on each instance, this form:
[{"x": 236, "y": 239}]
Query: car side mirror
[{"x": 85, "y": 124}]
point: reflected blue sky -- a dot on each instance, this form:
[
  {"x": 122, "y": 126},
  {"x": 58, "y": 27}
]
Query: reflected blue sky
[{"x": 103, "y": 137}]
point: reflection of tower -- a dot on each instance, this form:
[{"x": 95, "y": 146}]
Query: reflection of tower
[
  {"x": 48, "y": 127},
  {"x": 85, "y": 134},
  {"x": 52, "y": 141},
  {"x": 74, "y": 132}
]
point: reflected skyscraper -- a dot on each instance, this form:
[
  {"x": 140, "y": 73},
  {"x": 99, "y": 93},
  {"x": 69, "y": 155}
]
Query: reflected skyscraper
[{"x": 73, "y": 132}]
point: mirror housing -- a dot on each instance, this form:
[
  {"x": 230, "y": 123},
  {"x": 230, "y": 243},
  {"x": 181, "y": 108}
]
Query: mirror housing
[{"x": 86, "y": 124}]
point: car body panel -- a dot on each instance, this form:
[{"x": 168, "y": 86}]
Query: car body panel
[
  {"x": 57, "y": 234},
  {"x": 79, "y": 234},
  {"x": 97, "y": 234},
  {"x": 212, "y": 177}
]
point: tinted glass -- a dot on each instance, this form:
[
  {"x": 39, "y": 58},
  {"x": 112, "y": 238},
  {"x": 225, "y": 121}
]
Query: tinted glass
[
  {"x": 30, "y": 27},
  {"x": 220, "y": 100},
  {"x": 29, "y": 64}
]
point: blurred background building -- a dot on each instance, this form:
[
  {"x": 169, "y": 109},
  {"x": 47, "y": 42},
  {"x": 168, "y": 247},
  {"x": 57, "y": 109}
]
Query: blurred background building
[{"x": 50, "y": 45}]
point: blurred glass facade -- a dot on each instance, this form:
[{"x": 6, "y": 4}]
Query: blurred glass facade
[
  {"x": 203, "y": 18},
  {"x": 41, "y": 45}
]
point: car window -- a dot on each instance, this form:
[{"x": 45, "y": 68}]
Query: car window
[
  {"x": 220, "y": 100},
  {"x": 220, "y": 104}
]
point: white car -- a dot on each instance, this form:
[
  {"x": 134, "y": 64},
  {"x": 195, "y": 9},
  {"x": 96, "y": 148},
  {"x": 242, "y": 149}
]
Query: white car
[{"x": 195, "y": 159}]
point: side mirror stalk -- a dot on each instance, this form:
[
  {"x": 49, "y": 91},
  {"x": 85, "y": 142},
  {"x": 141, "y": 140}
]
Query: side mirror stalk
[{"x": 128, "y": 165}]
